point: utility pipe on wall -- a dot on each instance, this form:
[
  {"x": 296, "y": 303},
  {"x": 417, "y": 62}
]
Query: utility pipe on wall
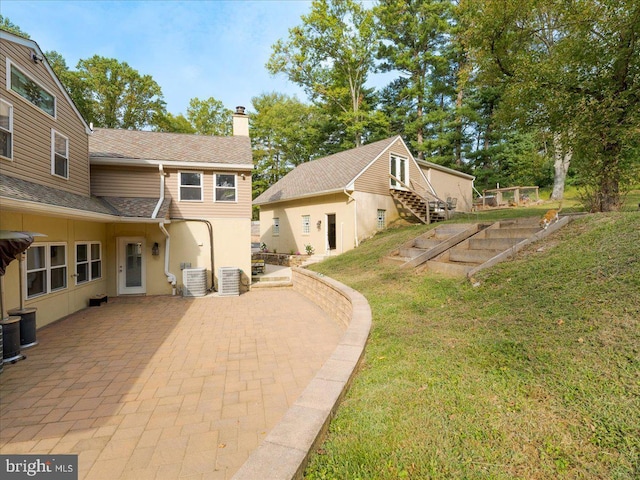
[{"x": 210, "y": 227}]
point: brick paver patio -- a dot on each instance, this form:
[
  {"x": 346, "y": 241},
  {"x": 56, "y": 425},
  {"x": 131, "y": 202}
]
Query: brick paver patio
[{"x": 164, "y": 387}]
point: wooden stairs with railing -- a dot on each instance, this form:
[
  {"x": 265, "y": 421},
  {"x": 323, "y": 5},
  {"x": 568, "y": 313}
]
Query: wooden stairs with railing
[
  {"x": 426, "y": 208},
  {"x": 413, "y": 203}
]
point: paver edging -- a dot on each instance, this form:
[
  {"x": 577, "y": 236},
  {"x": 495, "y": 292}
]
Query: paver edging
[{"x": 284, "y": 453}]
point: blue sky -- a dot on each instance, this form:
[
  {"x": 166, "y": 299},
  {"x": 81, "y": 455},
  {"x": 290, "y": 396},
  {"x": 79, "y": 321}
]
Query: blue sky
[{"x": 198, "y": 48}]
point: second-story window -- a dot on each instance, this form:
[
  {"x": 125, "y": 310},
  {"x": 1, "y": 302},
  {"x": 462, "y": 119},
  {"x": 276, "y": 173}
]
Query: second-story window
[
  {"x": 59, "y": 155},
  {"x": 20, "y": 83},
  {"x": 6, "y": 129},
  {"x": 225, "y": 187},
  {"x": 191, "y": 186}
]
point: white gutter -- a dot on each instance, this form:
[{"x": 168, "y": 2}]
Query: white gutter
[
  {"x": 138, "y": 162},
  {"x": 171, "y": 278},
  {"x": 161, "y": 199},
  {"x": 355, "y": 215}
]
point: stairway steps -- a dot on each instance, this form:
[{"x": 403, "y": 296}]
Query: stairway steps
[
  {"x": 471, "y": 256},
  {"x": 449, "y": 268},
  {"x": 426, "y": 243},
  {"x": 515, "y": 232},
  {"x": 493, "y": 243}
]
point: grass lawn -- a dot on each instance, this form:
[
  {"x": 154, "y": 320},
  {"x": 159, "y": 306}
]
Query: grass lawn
[{"x": 533, "y": 374}]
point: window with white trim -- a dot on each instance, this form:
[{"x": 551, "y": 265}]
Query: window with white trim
[
  {"x": 191, "y": 186},
  {"x": 225, "y": 187},
  {"x": 6, "y": 129},
  {"x": 276, "y": 226},
  {"x": 88, "y": 262},
  {"x": 306, "y": 224},
  {"x": 59, "y": 155},
  {"x": 382, "y": 219},
  {"x": 46, "y": 269},
  {"x": 23, "y": 85}
]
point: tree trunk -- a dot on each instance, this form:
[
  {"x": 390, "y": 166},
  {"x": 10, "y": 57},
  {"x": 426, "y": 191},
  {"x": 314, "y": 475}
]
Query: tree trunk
[
  {"x": 420, "y": 132},
  {"x": 561, "y": 161}
]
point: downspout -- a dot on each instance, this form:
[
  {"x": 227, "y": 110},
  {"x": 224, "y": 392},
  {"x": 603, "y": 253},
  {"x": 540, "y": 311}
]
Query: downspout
[
  {"x": 171, "y": 278},
  {"x": 355, "y": 214}
]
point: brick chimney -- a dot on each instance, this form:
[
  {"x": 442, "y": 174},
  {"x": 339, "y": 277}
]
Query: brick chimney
[{"x": 240, "y": 123}]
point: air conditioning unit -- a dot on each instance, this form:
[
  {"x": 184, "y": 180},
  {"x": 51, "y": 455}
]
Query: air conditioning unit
[
  {"x": 228, "y": 281},
  {"x": 195, "y": 282}
]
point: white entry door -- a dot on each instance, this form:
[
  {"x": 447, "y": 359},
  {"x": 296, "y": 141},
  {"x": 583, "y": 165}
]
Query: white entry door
[{"x": 131, "y": 266}]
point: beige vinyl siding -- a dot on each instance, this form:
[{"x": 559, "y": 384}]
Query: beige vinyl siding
[
  {"x": 454, "y": 186},
  {"x": 32, "y": 128},
  {"x": 112, "y": 181},
  {"x": 207, "y": 208},
  {"x": 375, "y": 179}
]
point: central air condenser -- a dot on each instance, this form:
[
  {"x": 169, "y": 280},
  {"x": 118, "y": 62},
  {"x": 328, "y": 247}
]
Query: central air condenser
[
  {"x": 195, "y": 282},
  {"x": 228, "y": 281}
]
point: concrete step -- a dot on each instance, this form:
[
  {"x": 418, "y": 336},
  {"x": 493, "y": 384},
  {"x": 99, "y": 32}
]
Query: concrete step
[
  {"x": 449, "y": 268},
  {"x": 471, "y": 256},
  {"x": 493, "y": 243},
  {"x": 411, "y": 252},
  {"x": 395, "y": 260},
  {"x": 428, "y": 242},
  {"x": 273, "y": 284},
  {"x": 511, "y": 232}
]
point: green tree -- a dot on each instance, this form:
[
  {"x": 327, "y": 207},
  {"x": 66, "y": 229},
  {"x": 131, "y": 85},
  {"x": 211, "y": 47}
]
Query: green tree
[
  {"x": 330, "y": 55},
  {"x": 9, "y": 26},
  {"x": 284, "y": 133},
  {"x": 72, "y": 82},
  {"x": 412, "y": 39},
  {"x": 173, "y": 123},
  {"x": 569, "y": 68},
  {"x": 210, "y": 117},
  {"x": 117, "y": 96}
]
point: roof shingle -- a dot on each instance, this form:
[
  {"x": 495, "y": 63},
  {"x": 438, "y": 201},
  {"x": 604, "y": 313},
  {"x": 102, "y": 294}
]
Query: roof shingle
[
  {"x": 177, "y": 147},
  {"x": 327, "y": 174},
  {"x": 18, "y": 189}
]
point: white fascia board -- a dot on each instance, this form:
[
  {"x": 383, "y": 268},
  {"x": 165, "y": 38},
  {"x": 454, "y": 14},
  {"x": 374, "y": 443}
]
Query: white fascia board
[
  {"x": 306, "y": 195},
  {"x": 140, "y": 162},
  {"x": 35, "y": 208}
]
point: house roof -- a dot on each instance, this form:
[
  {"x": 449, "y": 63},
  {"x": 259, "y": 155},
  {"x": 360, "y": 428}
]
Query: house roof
[
  {"x": 27, "y": 42},
  {"x": 442, "y": 168},
  {"x": 138, "y": 207},
  {"x": 137, "y": 147},
  {"x": 16, "y": 189},
  {"x": 324, "y": 175}
]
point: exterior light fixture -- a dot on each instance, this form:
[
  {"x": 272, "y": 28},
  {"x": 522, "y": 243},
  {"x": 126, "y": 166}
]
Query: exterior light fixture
[{"x": 155, "y": 250}]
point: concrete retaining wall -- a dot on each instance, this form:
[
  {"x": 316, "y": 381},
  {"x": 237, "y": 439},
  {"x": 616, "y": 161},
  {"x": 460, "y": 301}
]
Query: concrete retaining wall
[{"x": 284, "y": 453}]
